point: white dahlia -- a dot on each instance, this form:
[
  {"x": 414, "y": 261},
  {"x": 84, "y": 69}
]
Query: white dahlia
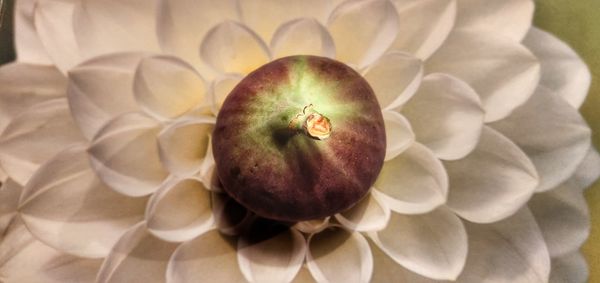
[{"x": 106, "y": 144}]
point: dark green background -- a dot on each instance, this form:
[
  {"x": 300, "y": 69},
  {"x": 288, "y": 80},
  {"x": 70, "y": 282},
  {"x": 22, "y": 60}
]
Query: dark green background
[{"x": 575, "y": 21}]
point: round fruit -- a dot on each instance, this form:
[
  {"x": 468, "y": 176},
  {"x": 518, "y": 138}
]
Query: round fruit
[{"x": 299, "y": 138}]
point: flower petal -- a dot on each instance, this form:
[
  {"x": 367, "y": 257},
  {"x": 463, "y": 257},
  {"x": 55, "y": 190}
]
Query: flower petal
[
  {"x": 509, "y": 18},
  {"x": 570, "y": 268},
  {"x": 563, "y": 71},
  {"x": 125, "y": 155},
  {"x": 413, "y": 182},
  {"x": 395, "y": 78},
  {"x": 552, "y": 133},
  {"x": 361, "y": 44},
  {"x": 231, "y": 217},
  {"x": 511, "y": 250},
  {"x": 180, "y": 210},
  {"x": 28, "y": 45},
  {"x": 423, "y": 25},
  {"x": 370, "y": 214},
  {"x": 446, "y": 115},
  {"x": 408, "y": 240},
  {"x": 183, "y": 145},
  {"x": 302, "y": 36},
  {"x": 36, "y": 135},
  {"x": 504, "y": 73},
  {"x": 67, "y": 207},
  {"x": 588, "y": 170},
  {"x": 101, "y": 89},
  {"x": 385, "y": 269},
  {"x": 264, "y": 256},
  {"x": 313, "y": 226},
  {"x": 9, "y": 202},
  {"x": 136, "y": 257},
  {"x": 166, "y": 87},
  {"x": 337, "y": 255},
  {"x": 399, "y": 134},
  {"x": 211, "y": 257},
  {"x": 220, "y": 89},
  {"x": 24, "y": 85},
  {"x": 231, "y": 47},
  {"x": 492, "y": 182}
]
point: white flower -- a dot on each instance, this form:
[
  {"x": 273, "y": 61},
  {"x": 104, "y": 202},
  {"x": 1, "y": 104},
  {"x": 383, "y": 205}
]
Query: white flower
[{"x": 107, "y": 169}]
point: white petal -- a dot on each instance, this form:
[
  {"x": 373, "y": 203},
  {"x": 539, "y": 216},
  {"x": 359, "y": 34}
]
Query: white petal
[
  {"x": 304, "y": 276},
  {"x": 408, "y": 240},
  {"x": 24, "y": 85},
  {"x": 563, "y": 217},
  {"x": 492, "y": 182},
  {"x": 302, "y": 36},
  {"x": 183, "y": 145},
  {"x": 504, "y": 73},
  {"x": 180, "y": 210},
  {"x": 211, "y": 257},
  {"x": 413, "y": 182},
  {"x": 509, "y": 18},
  {"x": 312, "y": 226},
  {"x": 136, "y": 257},
  {"x": 370, "y": 214},
  {"x": 423, "y": 25},
  {"x": 386, "y": 270},
  {"x": 28, "y": 45},
  {"x": 511, "y": 250},
  {"x": 271, "y": 258},
  {"x": 232, "y": 218},
  {"x": 182, "y": 24},
  {"x": 363, "y": 30},
  {"x": 231, "y": 47},
  {"x": 125, "y": 155},
  {"x": 570, "y": 268},
  {"x": 36, "y": 135},
  {"x": 9, "y": 202},
  {"x": 111, "y": 26},
  {"x": 552, "y": 133},
  {"x": 395, "y": 78},
  {"x": 337, "y": 255},
  {"x": 588, "y": 170},
  {"x": 166, "y": 87},
  {"x": 67, "y": 207},
  {"x": 563, "y": 71},
  {"x": 446, "y": 115},
  {"x": 399, "y": 134},
  {"x": 54, "y": 23},
  {"x": 101, "y": 89},
  {"x": 220, "y": 89}
]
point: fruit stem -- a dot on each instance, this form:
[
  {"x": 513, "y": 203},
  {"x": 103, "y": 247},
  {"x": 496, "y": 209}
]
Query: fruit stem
[{"x": 311, "y": 123}]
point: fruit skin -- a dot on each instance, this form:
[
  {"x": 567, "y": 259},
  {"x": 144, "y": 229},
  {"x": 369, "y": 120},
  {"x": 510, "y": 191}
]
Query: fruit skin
[{"x": 282, "y": 174}]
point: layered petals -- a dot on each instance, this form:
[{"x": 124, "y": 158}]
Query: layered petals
[
  {"x": 399, "y": 134},
  {"x": 9, "y": 202},
  {"x": 302, "y": 36},
  {"x": 570, "y": 268},
  {"x": 370, "y": 214},
  {"x": 220, "y": 88},
  {"x": 28, "y": 45}
]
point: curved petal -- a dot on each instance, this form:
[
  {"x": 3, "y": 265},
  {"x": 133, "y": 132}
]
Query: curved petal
[
  {"x": 211, "y": 257},
  {"x": 337, "y": 255},
  {"x": 563, "y": 217},
  {"x": 101, "y": 89},
  {"x": 220, "y": 89},
  {"x": 28, "y": 45},
  {"x": 181, "y": 26},
  {"x": 423, "y": 25},
  {"x": 446, "y": 115},
  {"x": 509, "y": 18},
  {"x": 492, "y": 182},
  {"x": 399, "y": 134},
  {"x": 125, "y": 155},
  {"x": 24, "y": 85},
  {"x": 504, "y": 73},
  {"x": 53, "y": 21},
  {"x": 408, "y": 240},
  {"x": 361, "y": 44},
  {"x": 136, "y": 257},
  {"x": 563, "y": 71},
  {"x": 9, "y": 202},
  {"x": 36, "y": 135},
  {"x": 231, "y": 47},
  {"x": 570, "y": 268},
  {"x": 312, "y": 226},
  {"x": 180, "y": 210},
  {"x": 588, "y": 170},
  {"x": 413, "y": 182},
  {"x": 231, "y": 217},
  {"x": 511, "y": 250},
  {"x": 271, "y": 258},
  {"x": 67, "y": 207},
  {"x": 166, "y": 87},
  {"x": 385, "y": 269},
  {"x": 302, "y": 36},
  {"x": 304, "y": 276},
  {"x": 395, "y": 78},
  {"x": 370, "y": 214},
  {"x": 552, "y": 133}
]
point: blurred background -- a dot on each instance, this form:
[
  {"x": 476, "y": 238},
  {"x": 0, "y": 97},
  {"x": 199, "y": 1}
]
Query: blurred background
[{"x": 576, "y": 22}]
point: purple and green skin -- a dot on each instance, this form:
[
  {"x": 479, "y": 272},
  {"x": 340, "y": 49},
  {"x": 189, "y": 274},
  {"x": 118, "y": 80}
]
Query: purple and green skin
[{"x": 272, "y": 165}]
